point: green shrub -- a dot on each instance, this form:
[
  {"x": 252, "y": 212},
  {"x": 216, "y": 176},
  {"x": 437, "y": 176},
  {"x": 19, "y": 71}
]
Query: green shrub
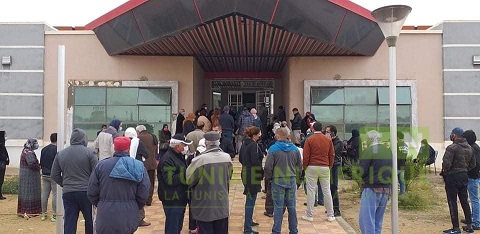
[
  {"x": 413, "y": 200},
  {"x": 10, "y": 185}
]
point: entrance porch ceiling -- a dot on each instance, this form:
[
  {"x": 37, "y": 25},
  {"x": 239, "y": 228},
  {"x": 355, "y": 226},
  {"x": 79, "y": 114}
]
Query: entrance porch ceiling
[{"x": 239, "y": 35}]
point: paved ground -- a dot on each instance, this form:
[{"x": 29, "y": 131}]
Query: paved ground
[{"x": 155, "y": 215}]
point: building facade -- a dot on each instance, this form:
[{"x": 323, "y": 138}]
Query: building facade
[{"x": 146, "y": 82}]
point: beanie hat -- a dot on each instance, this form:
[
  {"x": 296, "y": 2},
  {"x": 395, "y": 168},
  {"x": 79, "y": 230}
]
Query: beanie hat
[
  {"x": 457, "y": 131},
  {"x": 121, "y": 144}
]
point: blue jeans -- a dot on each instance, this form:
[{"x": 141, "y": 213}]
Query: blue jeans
[
  {"x": 401, "y": 181},
  {"x": 372, "y": 209},
  {"x": 74, "y": 202},
  {"x": 249, "y": 206},
  {"x": 284, "y": 192},
  {"x": 173, "y": 218},
  {"x": 473, "y": 194}
]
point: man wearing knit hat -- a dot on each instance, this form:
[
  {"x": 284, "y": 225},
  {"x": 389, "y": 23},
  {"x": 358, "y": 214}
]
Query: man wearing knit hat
[
  {"x": 209, "y": 177},
  {"x": 119, "y": 188},
  {"x": 474, "y": 179},
  {"x": 457, "y": 160}
]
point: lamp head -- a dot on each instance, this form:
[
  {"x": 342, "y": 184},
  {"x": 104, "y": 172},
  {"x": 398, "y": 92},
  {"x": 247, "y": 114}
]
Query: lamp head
[{"x": 390, "y": 19}]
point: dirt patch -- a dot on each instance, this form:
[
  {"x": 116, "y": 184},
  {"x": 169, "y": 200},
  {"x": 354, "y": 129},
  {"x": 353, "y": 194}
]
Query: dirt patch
[{"x": 434, "y": 219}]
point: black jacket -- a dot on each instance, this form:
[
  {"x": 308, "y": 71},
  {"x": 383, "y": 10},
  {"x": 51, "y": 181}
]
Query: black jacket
[
  {"x": 227, "y": 146},
  {"x": 296, "y": 122},
  {"x": 475, "y": 172},
  {"x": 250, "y": 156},
  {"x": 172, "y": 186},
  {"x": 376, "y": 167},
  {"x": 338, "y": 146},
  {"x": 458, "y": 158},
  {"x": 46, "y": 158},
  {"x": 179, "y": 125},
  {"x": 4, "y": 159}
]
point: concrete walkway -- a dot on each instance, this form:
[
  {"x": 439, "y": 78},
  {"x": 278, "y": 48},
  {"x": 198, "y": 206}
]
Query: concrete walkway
[{"x": 155, "y": 215}]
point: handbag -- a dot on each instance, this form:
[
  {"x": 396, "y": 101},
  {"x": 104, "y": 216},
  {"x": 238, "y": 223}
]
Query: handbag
[{"x": 164, "y": 146}]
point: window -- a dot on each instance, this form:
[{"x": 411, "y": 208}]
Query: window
[
  {"x": 351, "y": 108},
  {"x": 94, "y": 106}
]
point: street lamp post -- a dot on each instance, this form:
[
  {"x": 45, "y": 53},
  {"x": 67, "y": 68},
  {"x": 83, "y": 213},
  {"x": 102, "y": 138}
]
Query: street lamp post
[{"x": 390, "y": 19}]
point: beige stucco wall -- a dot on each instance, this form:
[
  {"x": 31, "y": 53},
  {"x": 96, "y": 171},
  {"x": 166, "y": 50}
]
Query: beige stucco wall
[
  {"x": 201, "y": 94},
  {"x": 419, "y": 57},
  {"x": 285, "y": 92},
  {"x": 87, "y": 60}
]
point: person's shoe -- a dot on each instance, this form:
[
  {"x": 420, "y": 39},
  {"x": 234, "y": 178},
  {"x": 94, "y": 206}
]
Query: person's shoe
[
  {"x": 337, "y": 213},
  {"x": 310, "y": 219},
  {"x": 331, "y": 218},
  {"x": 2, "y": 197},
  {"x": 267, "y": 214},
  {"x": 315, "y": 205},
  {"x": 53, "y": 218},
  {"x": 193, "y": 231},
  {"x": 254, "y": 224},
  {"x": 475, "y": 227},
  {"x": 144, "y": 223},
  {"x": 453, "y": 231},
  {"x": 43, "y": 217},
  {"x": 320, "y": 204},
  {"x": 468, "y": 229}
]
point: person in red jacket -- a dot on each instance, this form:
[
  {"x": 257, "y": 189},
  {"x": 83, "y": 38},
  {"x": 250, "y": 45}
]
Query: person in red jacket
[{"x": 318, "y": 159}]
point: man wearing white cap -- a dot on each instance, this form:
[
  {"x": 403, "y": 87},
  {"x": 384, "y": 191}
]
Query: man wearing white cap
[{"x": 172, "y": 186}]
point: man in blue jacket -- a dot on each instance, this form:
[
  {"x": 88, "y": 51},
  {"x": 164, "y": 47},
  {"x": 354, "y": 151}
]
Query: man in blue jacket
[{"x": 119, "y": 188}]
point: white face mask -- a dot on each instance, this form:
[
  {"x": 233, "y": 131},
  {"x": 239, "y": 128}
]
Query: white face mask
[
  {"x": 185, "y": 150},
  {"x": 120, "y": 129}
]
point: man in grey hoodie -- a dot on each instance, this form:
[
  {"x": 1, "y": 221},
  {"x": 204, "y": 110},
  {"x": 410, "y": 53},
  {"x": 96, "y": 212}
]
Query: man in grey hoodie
[{"x": 71, "y": 169}]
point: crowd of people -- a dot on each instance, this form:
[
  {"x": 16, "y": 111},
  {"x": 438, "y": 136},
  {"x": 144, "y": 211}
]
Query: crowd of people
[{"x": 193, "y": 167}]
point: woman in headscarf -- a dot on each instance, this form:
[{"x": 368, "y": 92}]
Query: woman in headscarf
[
  {"x": 189, "y": 124},
  {"x": 4, "y": 160},
  {"x": 29, "y": 190}
]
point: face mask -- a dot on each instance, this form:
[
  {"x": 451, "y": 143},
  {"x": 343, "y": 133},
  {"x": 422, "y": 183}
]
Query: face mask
[
  {"x": 120, "y": 129},
  {"x": 185, "y": 150},
  {"x": 35, "y": 146}
]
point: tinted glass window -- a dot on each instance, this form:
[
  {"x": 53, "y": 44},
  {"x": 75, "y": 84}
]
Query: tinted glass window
[
  {"x": 360, "y": 96},
  {"x": 327, "y": 96},
  {"x": 89, "y": 96}
]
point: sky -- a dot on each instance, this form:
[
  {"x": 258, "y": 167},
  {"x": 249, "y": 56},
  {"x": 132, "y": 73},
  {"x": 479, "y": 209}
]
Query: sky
[{"x": 80, "y": 13}]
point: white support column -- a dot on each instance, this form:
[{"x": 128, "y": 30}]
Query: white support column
[{"x": 60, "y": 130}]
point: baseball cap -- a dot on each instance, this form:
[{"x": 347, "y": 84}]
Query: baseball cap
[{"x": 180, "y": 138}]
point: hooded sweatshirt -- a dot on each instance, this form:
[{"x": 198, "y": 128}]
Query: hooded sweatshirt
[
  {"x": 104, "y": 141},
  {"x": 72, "y": 167},
  {"x": 283, "y": 161}
]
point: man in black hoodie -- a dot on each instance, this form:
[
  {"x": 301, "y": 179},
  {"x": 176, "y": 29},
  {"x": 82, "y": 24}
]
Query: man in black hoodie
[
  {"x": 296, "y": 126},
  {"x": 331, "y": 131},
  {"x": 474, "y": 179},
  {"x": 457, "y": 160}
]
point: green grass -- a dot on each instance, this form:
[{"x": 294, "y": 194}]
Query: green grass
[
  {"x": 418, "y": 197},
  {"x": 10, "y": 185}
]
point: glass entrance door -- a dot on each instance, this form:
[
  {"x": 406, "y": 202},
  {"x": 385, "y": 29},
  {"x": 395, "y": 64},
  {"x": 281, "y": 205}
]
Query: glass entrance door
[{"x": 235, "y": 99}]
